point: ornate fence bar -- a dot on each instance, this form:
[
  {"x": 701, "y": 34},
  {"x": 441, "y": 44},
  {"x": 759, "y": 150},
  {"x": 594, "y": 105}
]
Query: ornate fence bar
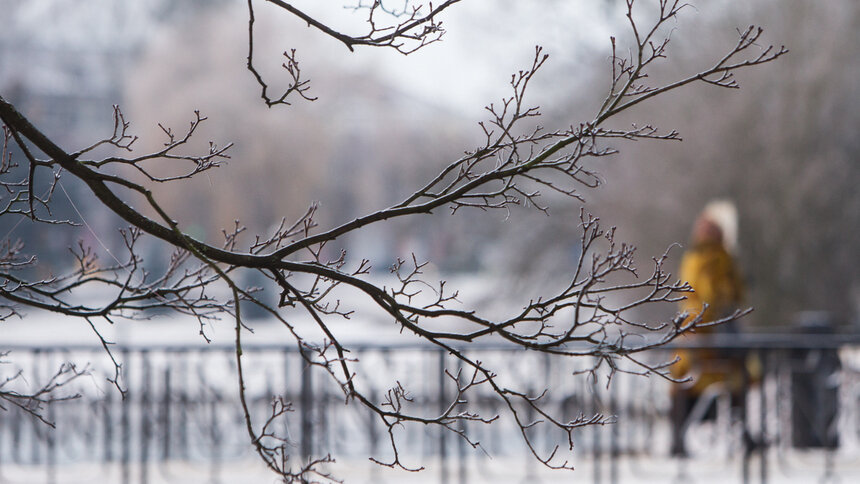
[{"x": 180, "y": 420}]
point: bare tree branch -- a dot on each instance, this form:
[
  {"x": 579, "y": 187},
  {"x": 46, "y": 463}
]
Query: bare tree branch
[
  {"x": 35, "y": 402},
  {"x": 514, "y": 163}
]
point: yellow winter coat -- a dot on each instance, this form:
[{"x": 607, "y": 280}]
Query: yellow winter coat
[{"x": 711, "y": 272}]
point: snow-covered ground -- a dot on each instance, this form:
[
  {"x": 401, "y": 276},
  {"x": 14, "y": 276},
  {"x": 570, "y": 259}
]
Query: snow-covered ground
[
  {"x": 152, "y": 359},
  {"x": 798, "y": 469}
]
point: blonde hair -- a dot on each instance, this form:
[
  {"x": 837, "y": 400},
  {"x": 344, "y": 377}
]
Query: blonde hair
[{"x": 724, "y": 214}]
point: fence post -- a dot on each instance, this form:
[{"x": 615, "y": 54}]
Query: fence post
[
  {"x": 107, "y": 423},
  {"x": 307, "y": 411},
  {"x": 613, "y": 437},
  {"x": 461, "y": 444},
  {"x": 597, "y": 452},
  {"x": 746, "y": 439},
  {"x": 184, "y": 403},
  {"x": 764, "y": 358},
  {"x": 144, "y": 417},
  {"x": 215, "y": 437},
  {"x": 125, "y": 424},
  {"x": 36, "y": 444},
  {"x": 50, "y": 441},
  {"x": 165, "y": 414},
  {"x": 443, "y": 451}
]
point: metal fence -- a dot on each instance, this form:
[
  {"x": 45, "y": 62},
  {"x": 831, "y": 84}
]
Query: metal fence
[{"x": 180, "y": 418}]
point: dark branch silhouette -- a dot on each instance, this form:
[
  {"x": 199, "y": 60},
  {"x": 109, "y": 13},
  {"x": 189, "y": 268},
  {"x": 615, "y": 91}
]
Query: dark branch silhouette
[{"x": 511, "y": 167}]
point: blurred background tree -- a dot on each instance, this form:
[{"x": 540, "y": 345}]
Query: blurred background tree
[{"x": 791, "y": 170}]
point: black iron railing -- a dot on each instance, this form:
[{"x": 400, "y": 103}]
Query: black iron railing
[{"x": 180, "y": 415}]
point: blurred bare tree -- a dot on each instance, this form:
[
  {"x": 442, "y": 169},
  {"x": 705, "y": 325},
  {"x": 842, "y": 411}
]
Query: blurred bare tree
[
  {"x": 790, "y": 166},
  {"x": 303, "y": 260}
]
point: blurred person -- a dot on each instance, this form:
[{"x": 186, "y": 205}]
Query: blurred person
[{"x": 718, "y": 291}]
